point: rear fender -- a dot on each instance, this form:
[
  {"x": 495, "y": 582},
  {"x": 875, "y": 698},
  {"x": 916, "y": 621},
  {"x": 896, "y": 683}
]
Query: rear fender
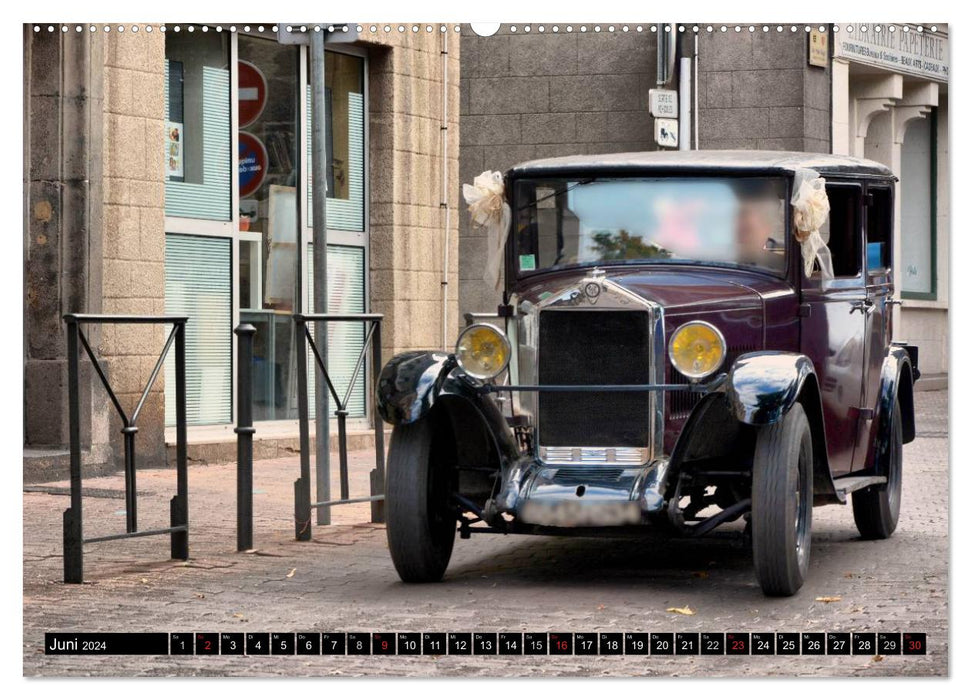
[{"x": 896, "y": 384}]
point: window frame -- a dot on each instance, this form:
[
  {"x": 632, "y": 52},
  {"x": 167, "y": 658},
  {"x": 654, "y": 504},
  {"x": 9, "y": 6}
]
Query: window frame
[
  {"x": 842, "y": 281},
  {"x": 932, "y": 295}
]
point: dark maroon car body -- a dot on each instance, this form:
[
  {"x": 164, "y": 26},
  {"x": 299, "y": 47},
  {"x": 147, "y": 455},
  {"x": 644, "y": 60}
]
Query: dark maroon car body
[{"x": 789, "y": 339}]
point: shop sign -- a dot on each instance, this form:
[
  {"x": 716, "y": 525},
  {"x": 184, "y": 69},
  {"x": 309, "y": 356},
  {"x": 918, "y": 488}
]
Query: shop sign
[
  {"x": 252, "y": 93},
  {"x": 252, "y": 164},
  {"x": 924, "y": 54},
  {"x": 818, "y": 48}
]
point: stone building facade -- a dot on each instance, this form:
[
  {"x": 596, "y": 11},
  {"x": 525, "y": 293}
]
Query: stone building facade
[
  {"x": 110, "y": 225},
  {"x": 584, "y": 89}
]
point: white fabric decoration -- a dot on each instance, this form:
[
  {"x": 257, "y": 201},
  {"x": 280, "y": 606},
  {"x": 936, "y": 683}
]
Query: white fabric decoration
[
  {"x": 810, "y": 207},
  {"x": 489, "y": 209}
]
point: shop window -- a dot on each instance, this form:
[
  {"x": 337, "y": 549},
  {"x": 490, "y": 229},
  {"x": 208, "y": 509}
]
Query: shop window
[
  {"x": 344, "y": 103},
  {"x": 197, "y": 126},
  {"x": 268, "y": 222},
  {"x": 879, "y": 233},
  {"x": 842, "y": 230}
]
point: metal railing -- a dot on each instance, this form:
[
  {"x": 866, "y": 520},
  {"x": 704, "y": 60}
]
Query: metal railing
[
  {"x": 179, "y": 506},
  {"x": 303, "y": 507}
]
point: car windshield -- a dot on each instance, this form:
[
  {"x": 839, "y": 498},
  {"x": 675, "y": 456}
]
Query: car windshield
[{"x": 561, "y": 222}]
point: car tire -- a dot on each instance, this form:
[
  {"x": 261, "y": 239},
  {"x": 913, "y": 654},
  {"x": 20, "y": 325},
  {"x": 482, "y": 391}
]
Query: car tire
[
  {"x": 782, "y": 503},
  {"x": 420, "y": 522},
  {"x": 877, "y": 509}
]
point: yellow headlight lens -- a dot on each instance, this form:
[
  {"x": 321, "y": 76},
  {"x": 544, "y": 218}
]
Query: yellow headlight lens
[
  {"x": 697, "y": 349},
  {"x": 482, "y": 351}
]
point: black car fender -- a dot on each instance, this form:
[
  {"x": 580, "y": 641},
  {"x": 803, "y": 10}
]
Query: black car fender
[
  {"x": 897, "y": 377},
  {"x": 762, "y": 386},
  {"x": 413, "y": 385}
]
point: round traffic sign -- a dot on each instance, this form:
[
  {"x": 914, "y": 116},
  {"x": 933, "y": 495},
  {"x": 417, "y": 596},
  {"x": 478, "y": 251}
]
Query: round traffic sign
[
  {"x": 253, "y": 162},
  {"x": 252, "y": 93}
]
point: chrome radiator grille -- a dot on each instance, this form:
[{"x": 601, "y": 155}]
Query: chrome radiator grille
[{"x": 593, "y": 346}]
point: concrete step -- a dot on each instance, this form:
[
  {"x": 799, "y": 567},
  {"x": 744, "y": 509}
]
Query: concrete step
[{"x": 220, "y": 446}]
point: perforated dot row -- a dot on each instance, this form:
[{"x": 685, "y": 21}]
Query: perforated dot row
[{"x": 526, "y": 28}]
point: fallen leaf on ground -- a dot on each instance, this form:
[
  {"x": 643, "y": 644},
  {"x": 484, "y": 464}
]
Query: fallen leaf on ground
[
  {"x": 700, "y": 574},
  {"x": 848, "y": 574},
  {"x": 237, "y": 614},
  {"x": 144, "y": 580},
  {"x": 292, "y": 572},
  {"x": 681, "y": 611},
  {"x": 601, "y": 607},
  {"x": 828, "y": 598},
  {"x": 200, "y": 595},
  {"x": 878, "y": 658}
]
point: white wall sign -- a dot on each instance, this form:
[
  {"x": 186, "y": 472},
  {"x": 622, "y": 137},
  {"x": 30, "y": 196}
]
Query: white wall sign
[
  {"x": 666, "y": 132},
  {"x": 925, "y": 54},
  {"x": 664, "y": 103}
]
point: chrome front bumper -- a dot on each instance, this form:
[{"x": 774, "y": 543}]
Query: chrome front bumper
[{"x": 582, "y": 496}]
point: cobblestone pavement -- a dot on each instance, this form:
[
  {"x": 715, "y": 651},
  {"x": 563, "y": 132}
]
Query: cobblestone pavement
[{"x": 344, "y": 581}]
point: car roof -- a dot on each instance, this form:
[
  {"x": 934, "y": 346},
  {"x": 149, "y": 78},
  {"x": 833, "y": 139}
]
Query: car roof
[{"x": 705, "y": 161}]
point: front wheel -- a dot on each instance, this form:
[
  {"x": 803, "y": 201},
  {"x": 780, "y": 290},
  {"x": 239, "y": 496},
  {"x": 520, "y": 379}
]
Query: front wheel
[
  {"x": 420, "y": 522},
  {"x": 782, "y": 503},
  {"x": 877, "y": 509}
]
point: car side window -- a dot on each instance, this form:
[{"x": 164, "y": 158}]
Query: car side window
[
  {"x": 878, "y": 228},
  {"x": 842, "y": 230}
]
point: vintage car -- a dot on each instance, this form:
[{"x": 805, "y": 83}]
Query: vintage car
[{"x": 686, "y": 339}]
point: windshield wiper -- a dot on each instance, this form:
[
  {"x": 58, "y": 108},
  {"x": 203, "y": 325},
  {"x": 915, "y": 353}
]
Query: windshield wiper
[{"x": 557, "y": 193}]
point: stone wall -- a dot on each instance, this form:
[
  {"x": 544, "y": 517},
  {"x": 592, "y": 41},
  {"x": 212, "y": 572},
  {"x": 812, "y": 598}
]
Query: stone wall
[
  {"x": 527, "y": 96},
  {"x": 757, "y": 90},
  {"x": 134, "y": 235},
  {"x": 407, "y": 219},
  {"x": 62, "y": 227}
]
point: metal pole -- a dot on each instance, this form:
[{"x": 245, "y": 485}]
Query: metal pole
[
  {"x": 318, "y": 149},
  {"x": 342, "y": 451},
  {"x": 244, "y": 436},
  {"x": 131, "y": 507},
  {"x": 179, "y": 506},
  {"x": 301, "y": 487},
  {"x": 73, "y": 552},
  {"x": 377, "y": 476}
]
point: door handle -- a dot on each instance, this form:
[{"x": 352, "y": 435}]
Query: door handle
[
  {"x": 864, "y": 306},
  {"x": 894, "y": 302}
]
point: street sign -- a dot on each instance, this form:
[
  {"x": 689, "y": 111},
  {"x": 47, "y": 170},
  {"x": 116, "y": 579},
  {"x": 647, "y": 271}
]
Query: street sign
[
  {"x": 253, "y": 162},
  {"x": 666, "y": 132},
  {"x": 664, "y": 103},
  {"x": 252, "y": 93}
]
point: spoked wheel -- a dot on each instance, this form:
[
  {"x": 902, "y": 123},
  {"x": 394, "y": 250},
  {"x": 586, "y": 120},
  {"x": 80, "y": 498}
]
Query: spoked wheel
[
  {"x": 420, "y": 521},
  {"x": 782, "y": 503},
  {"x": 877, "y": 509}
]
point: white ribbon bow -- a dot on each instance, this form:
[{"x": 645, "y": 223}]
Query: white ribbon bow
[
  {"x": 488, "y": 208},
  {"x": 810, "y": 207}
]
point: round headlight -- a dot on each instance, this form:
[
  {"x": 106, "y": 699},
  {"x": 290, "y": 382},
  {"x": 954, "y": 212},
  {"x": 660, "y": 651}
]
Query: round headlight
[
  {"x": 697, "y": 349},
  {"x": 482, "y": 351}
]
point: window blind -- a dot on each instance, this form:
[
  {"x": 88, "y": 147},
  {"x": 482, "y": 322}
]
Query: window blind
[
  {"x": 345, "y": 295},
  {"x": 209, "y": 199},
  {"x": 198, "y": 283},
  {"x": 343, "y": 214}
]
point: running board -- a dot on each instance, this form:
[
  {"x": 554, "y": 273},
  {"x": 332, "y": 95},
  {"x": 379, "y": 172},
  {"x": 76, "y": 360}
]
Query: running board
[{"x": 849, "y": 484}]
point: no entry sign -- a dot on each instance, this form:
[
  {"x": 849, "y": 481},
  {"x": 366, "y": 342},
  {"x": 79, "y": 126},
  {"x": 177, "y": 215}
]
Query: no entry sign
[
  {"x": 252, "y": 93},
  {"x": 252, "y": 163}
]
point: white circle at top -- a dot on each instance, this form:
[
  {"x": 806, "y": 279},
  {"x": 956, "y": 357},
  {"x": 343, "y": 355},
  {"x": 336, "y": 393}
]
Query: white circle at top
[{"x": 485, "y": 28}]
